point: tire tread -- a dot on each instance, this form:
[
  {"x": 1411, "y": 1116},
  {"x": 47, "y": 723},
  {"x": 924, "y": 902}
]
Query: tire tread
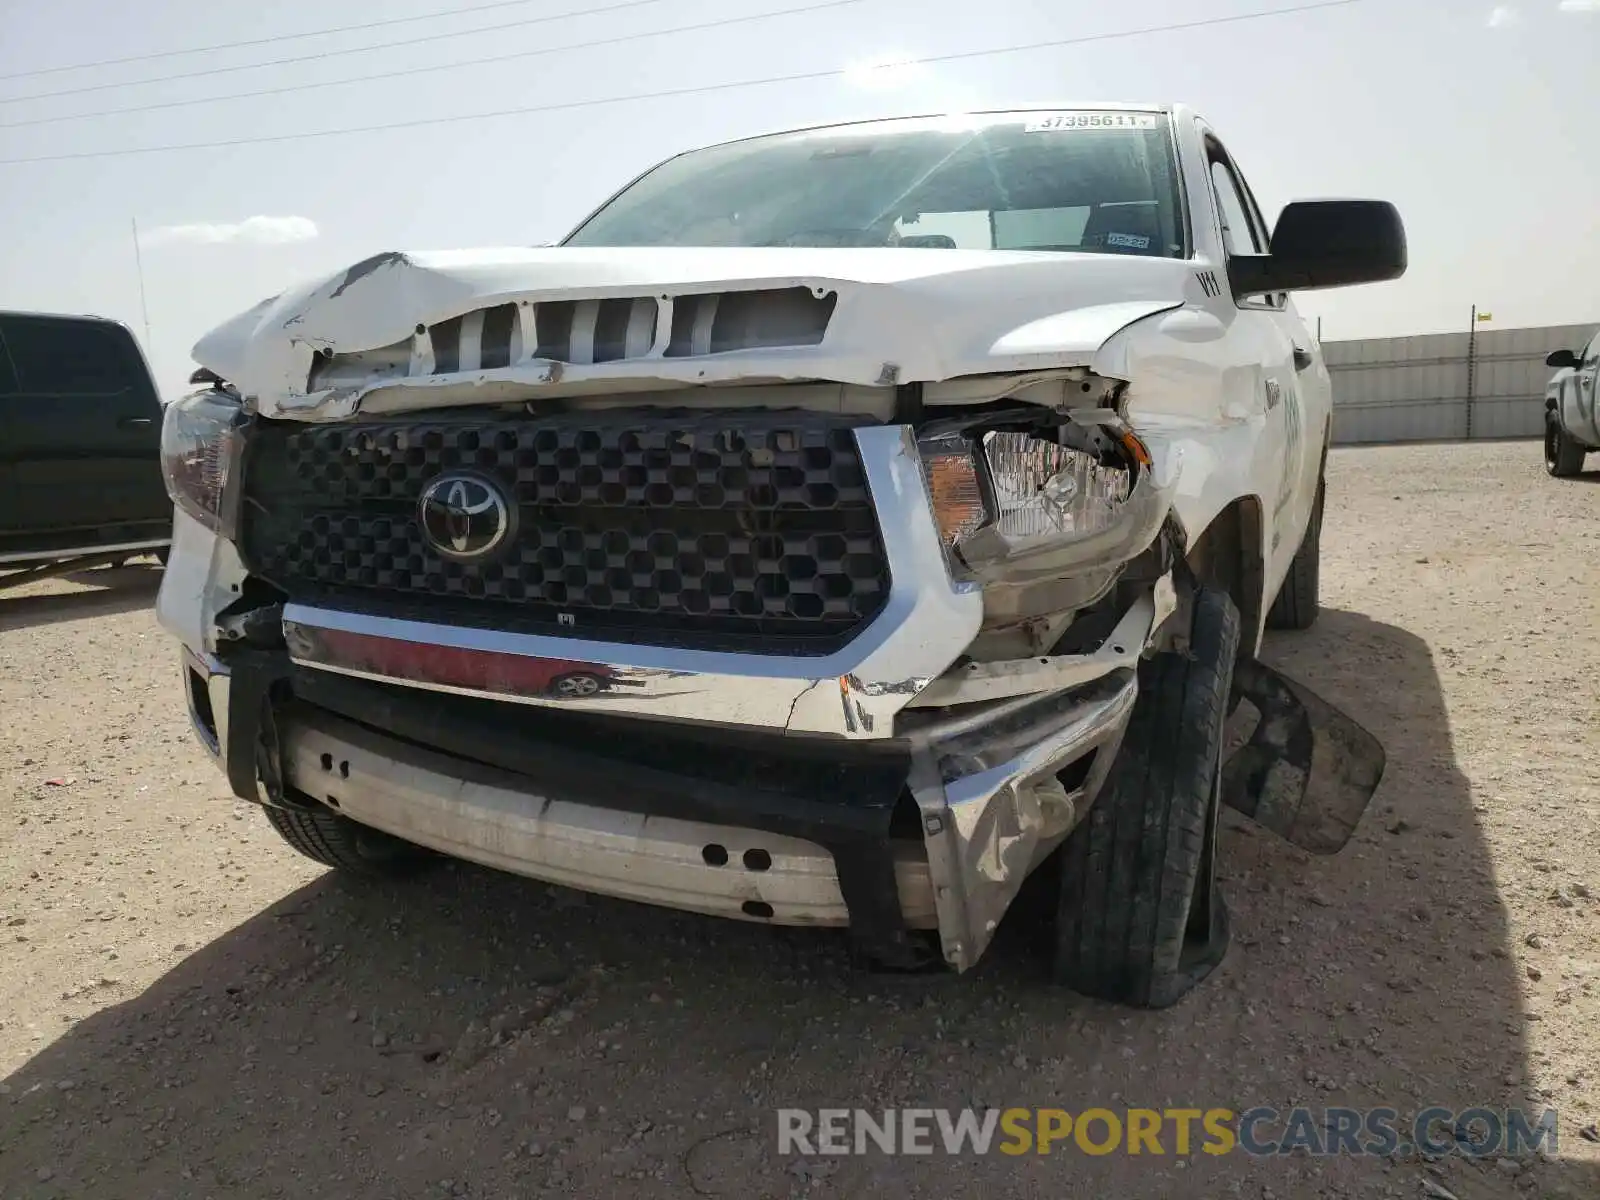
[
  {"x": 1296, "y": 605},
  {"x": 338, "y": 842},
  {"x": 1128, "y": 872},
  {"x": 1569, "y": 455}
]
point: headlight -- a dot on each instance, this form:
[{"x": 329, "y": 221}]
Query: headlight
[
  {"x": 1003, "y": 493},
  {"x": 199, "y": 455},
  {"x": 1042, "y": 488}
]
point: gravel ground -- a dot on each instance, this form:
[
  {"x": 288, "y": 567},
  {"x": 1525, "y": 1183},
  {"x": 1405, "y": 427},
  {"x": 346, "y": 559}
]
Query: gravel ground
[{"x": 187, "y": 1008}]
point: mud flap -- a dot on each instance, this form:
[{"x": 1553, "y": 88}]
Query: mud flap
[{"x": 1308, "y": 771}]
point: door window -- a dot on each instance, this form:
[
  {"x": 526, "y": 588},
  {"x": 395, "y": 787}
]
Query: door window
[
  {"x": 52, "y": 356},
  {"x": 1238, "y": 232},
  {"x": 1243, "y": 230}
]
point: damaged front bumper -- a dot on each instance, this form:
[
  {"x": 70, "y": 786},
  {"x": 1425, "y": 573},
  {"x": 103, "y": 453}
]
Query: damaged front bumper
[{"x": 990, "y": 795}]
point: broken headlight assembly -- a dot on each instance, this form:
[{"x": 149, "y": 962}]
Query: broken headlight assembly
[
  {"x": 1014, "y": 486},
  {"x": 1042, "y": 489},
  {"x": 201, "y": 440}
]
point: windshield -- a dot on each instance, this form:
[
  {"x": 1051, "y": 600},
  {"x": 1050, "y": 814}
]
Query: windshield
[{"x": 1103, "y": 182}]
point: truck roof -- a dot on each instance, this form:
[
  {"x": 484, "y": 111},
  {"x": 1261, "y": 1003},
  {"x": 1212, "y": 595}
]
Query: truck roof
[{"x": 95, "y": 318}]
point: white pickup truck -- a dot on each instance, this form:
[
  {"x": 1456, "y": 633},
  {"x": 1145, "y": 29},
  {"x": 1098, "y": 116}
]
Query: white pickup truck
[
  {"x": 1571, "y": 420},
  {"x": 838, "y": 528}
]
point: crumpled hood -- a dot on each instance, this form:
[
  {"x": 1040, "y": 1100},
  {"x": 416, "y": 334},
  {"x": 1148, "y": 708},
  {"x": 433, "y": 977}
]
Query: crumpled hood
[{"x": 897, "y": 316}]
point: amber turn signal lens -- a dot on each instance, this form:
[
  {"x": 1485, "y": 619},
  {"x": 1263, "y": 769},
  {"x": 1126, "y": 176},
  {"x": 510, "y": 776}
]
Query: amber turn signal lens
[
  {"x": 957, "y": 495},
  {"x": 1135, "y": 447}
]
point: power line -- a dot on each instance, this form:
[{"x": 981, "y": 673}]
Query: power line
[
  {"x": 291, "y": 37},
  {"x": 672, "y": 93},
  {"x": 325, "y": 54},
  {"x": 424, "y": 70}
]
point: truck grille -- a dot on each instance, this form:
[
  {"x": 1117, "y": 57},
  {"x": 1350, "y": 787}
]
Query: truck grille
[
  {"x": 583, "y": 332},
  {"x": 653, "y": 527}
]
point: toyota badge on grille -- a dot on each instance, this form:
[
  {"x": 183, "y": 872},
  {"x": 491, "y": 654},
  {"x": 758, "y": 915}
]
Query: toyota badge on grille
[{"x": 464, "y": 517}]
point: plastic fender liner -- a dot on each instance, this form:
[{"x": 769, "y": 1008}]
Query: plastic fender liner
[{"x": 1308, "y": 771}]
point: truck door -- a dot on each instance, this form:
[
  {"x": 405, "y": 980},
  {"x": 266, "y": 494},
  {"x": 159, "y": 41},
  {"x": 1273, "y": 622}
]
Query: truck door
[
  {"x": 1586, "y": 382},
  {"x": 10, "y": 498},
  {"x": 82, "y": 427},
  {"x": 1295, "y": 405}
]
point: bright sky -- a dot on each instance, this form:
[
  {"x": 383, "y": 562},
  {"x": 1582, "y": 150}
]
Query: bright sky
[{"x": 1482, "y": 122}]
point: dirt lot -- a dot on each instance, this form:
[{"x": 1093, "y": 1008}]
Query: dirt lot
[{"x": 187, "y": 1008}]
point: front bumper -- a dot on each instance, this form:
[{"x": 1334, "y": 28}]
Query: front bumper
[
  {"x": 991, "y": 797},
  {"x": 491, "y": 817}
]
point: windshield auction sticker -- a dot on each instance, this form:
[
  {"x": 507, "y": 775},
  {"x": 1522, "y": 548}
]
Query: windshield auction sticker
[{"x": 1046, "y": 122}]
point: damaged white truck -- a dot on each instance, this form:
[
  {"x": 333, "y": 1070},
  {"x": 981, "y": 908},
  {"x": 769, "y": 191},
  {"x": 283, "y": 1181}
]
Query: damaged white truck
[{"x": 837, "y": 529}]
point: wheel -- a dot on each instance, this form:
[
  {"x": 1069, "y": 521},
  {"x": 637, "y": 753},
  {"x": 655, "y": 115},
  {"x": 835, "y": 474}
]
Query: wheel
[
  {"x": 1563, "y": 457},
  {"x": 337, "y": 841},
  {"x": 1139, "y": 917},
  {"x": 1296, "y": 603},
  {"x": 576, "y": 686}
]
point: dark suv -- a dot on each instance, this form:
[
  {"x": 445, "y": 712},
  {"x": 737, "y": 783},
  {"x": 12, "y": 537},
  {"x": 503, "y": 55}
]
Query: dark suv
[{"x": 80, "y": 447}]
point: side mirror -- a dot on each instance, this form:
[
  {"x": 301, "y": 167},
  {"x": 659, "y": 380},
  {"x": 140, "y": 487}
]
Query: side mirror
[
  {"x": 1561, "y": 358},
  {"x": 1325, "y": 243}
]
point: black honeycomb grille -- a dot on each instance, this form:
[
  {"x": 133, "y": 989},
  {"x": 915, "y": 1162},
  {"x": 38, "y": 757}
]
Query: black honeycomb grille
[{"x": 648, "y": 527}]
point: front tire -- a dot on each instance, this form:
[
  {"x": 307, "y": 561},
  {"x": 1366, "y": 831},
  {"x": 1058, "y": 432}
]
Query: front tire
[
  {"x": 1140, "y": 919},
  {"x": 1298, "y": 600},
  {"x": 1563, "y": 457},
  {"x": 337, "y": 841}
]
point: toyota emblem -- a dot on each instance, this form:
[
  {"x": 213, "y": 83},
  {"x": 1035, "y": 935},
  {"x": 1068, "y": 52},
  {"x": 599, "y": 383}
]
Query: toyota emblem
[{"x": 464, "y": 517}]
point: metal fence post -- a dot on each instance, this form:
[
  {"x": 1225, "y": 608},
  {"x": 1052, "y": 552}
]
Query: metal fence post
[{"x": 1472, "y": 354}]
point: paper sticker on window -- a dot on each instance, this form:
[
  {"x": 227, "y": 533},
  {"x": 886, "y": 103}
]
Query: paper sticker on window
[
  {"x": 1131, "y": 241},
  {"x": 1091, "y": 120}
]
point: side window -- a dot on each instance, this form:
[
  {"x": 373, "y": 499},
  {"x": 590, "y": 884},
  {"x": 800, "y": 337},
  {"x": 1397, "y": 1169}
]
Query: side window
[
  {"x": 1238, "y": 231},
  {"x": 1591, "y": 356},
  {"x": 70, "y": 358},
  {"x": 1243, "y": 230}
]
